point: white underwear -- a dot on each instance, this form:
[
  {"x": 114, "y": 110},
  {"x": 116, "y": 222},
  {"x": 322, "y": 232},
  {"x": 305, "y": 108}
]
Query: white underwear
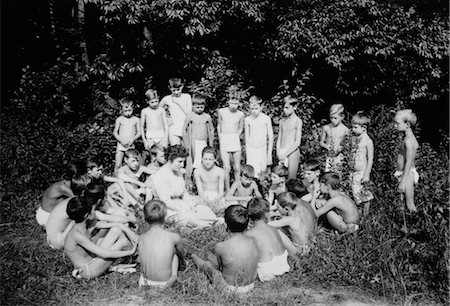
[
  {"x": 278, "y": 265},
  {"x": 230, "y": 142},
  {"x": 143, "y": 281},
  {"x": 243, "y": 289},
  {"x": 42, "y": 216},
  {"x": 398, "y": 174},
  {"x": 155, "y": 136},
  {"x": 120, "y": 147}
]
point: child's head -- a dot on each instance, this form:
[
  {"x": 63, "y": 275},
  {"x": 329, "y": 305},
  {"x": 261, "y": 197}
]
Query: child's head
[
  {"x": 279, "y": 174},
  {"x": 336, "y": 114},
  {"x": 94, "y": 169},
  {"x": 74, "y": 168},
  {"x": 405, "y": 119},
  {"x": 233, "y": 104},
  {"x": 152, "y": 98},
  {"x": 255, "y": 106},
  {"x": 132, "y": 159},
  {"x": 329, "y": 180},
  {"x": 311, "y": 170},
  {"x": 236, "y": 218},
  {"x": 78, "y": 184},
  {"x": 297, "y": 187},
  {"x": 157, "y": 154},
  {"x": 78, "y": 209},
  {"x": 155, "y": 211},
  {"x": 360, "y": 123},
  {"x": 127, "y": 107},
  {"x": 198, "y": 104},
  {"x": 287, "y": 200},
  {"x": 208, "y": 157},
  {"x": 176, "y": 86},
  {"x": 247, "y": 175},
  {"x": 290, "y": 105},
  {"x": 257, "y": 209}
]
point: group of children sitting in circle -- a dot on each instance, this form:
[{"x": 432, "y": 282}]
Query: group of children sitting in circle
[{"x": 95, "y": 225}]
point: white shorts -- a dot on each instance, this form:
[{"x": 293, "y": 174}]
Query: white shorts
[
  {"x": 120, "y": 147},
  {"x": 42, "y": 216},
  {"x": 155, "y": 136},
  {"x": 278, "y": 265},
  {"x": 230, "y": 142},
  {"x": 398, "y": 174},
  {"x": 143, "y": 281}
]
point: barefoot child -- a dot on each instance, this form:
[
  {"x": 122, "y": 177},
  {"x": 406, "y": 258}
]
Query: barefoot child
[
  {"x": 198, "y": 133},
  {"x": 406, "y": 173},
  {"x": 210, "y": 180},
  {"x": 230, "y": 126},
  {"x": 233, "y": 267},
  {"x": 272, "y": 259},
  {"x": 159, "y": 250},
  {"x": 332, "y": 136},
  {"x": 244, "y": 189},
  {"x": 289, "y": 137},
  {"x": 179, "y": 105},
  {"x": 153, "y": 122},
  {"x": 258, "y": 137},
  {"x": 126, "y": 131},
  {"x": 278, "y": 180},
  {"x": 340, "y": 210},
  {"x": 363, "y": 158}
]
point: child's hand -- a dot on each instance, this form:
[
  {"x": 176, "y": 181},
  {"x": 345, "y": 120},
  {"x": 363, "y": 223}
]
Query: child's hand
[{"x": 402, "y": 186}]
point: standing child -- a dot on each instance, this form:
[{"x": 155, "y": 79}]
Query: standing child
[
  {"x": 160, "y": 251},
  {"x": 278, "y": 180},
  {"x": 198, "y": 133},
  {"x": 179, "y": 105},
  {"x": 289, "y": 137},
  {"x": 210, "y": 180},
  {"x": 154, "y": 122},
  {"x": 126, "y": 131},
  {"x": 230, "y": 126},
  {"x": 406, "y": 173},
  {"x": 363, "y": 158},
  {"x": 258, "y": 137},
  {"x": 245, "y": 188},
  {"x": 332, "y": 136}
]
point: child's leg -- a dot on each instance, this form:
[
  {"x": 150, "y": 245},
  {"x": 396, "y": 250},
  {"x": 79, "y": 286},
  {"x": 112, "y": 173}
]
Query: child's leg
[
  {"x": 207, "y": 267},
  {"x": 224, "y": 155},
  {"x": 409, "y": 192},
  {"x": 293, "y": 162},
  {"x": 336, "y": 221},
  {"x": 366, "y": 208},
  {"x": 173, "y": 277},
  {"x": 118, "y": 162},
  {"x": 237, "y": 164},
  {"x": 287, "y": 243}
]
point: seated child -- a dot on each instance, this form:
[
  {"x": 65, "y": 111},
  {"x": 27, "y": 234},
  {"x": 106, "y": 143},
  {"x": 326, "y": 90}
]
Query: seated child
[
  {"x": 272, "y": 260},
  {"x": 159, "y": 250},
  {"x": 302, "y": 208},
  {"x": 210, "y": 180},
  {"x": 311, "y": 173},
  {"x": 278, "y": 178},
  {"x": 243, "y": 189},
  {"x": 81, "y": 247},
  {"x": 235, "y": 262},
  {"x": 300, "y": 225},
  {"x": 59, "y": 223},
  {"x": 340, "y": 210},
  {"x": 157, "y": 159}
]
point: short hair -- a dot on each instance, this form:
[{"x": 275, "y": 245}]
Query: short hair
[
  {"x": 257, "y": 209},
  {"x": 175, "y": 83},
  {"x": 132, "y": 153},
  {"x": 255, "y": 100},
  {"x": 330, "y": 178},
  {"x": 155, "y": 211},
  {"x": 361, "y": 118},
  {"x": 74, "y": 168},
  {"x": 288, "y": 199},
  {"x": 92, "y": 163},
  {"x": 337, "y": 109},
  {"x": 210, "y": 150},
  {"x": 155, "y": 149},
  {"x": 297, "y": 187},
  {"x": 236, "y": 218},
  {"x": 176, "y": 151},
  {"x": 280, "y": 170},
  {"x": 78, "y": 184},
  {"x": 248, "y": 171},
  {"x": 407, "y": 116},
  {"x": 290, "y": 100},
  {"x": 126, "y": 102},
  {"x": 94, "y": 191},
  {"x": 151, "y": 94},
  {"x": 198, "y": 99},
  {"x": 311, "y": 165},
  {"x": 77, "y": 209}
]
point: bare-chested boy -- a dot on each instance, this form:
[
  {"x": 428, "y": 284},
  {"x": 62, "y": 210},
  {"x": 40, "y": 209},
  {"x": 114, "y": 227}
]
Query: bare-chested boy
[
  {"x": 210, "y": 180},
  {"x": 153, "y": 122},
  {"x": 341, "y": 212},
  {"x": 277, "y": 182},
  {"x": 244, "y": 189},
  {"x": 289, "y": 137},
  {"x": 126, "y": 131},
  {"x": 159, "y": 250},
  {"x": 234, "y": 265},
  {"x": 230, "y": 127},
  {"x": 272, "y": 260},
  {"x": 406, "y": 173}
]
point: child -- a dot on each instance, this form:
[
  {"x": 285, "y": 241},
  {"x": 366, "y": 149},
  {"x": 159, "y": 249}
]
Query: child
[
  {"x": 363, "y": 158},
  {"x": 179, "y": 106},
  {"x": 198, "y": 132},
  {"x": 303, "y": 207},
  {"x": 289, "y": 138},
  {"x": 311, "y": 173},
  {"x": 159, "y": 250},
  {"x": 278, "y": 179},
  {"x": 272, "y": 260},
  {"x": 210, "y": 179},
  {"x": 157, "y": 159},
  {"x": 300, "y": 224},
  {"x": 234, "y": 266},
  {"x": 340, "y": 210},
  {"x": 126, "y": 131},
  {"x": 244, "y": 189},
  {"x": 153, "y": 122},
  {"x": 230, "y": 126},
  {"x": 406, "y": 173},
  {"x": 258, "y": 137},
  {"x": 332, "y": 136}
]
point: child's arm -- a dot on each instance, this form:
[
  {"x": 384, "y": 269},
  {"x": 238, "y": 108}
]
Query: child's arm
[
  {"x": 271, "y": 196},
  {"x": 64, "y": 191},
  {"x": 324, "y": 138},
  {"x": 370, "y": 150},
  {"x": 221, "y": 183},
  {"x": 165, "y": 140},
  {"x": 125, "y": 177},
  {"x": 298, "y": 138},
  {"x": 278, "y": 144},
  {"x": 116, "y": 131},
  {"x": 230, "y": 194},
  {"x": 241, "y": 125},
  {"x": 219, "y": 122},
  {"x": 329, "y": 205},
  {"x": 270, "y": 144},
  {"x": 256, "y": 192},
  {"x": 198, "y": 184},
  {"x": 210, "y": 130},
  {"x": 137, "y": 130},
  {"x": 185, "y": 132},
  {"x": 246, "y": 131},
  {"x": 285, "y": 221},
  {"x": 142, "y": 128},
  {"x": 111, "y": 218},
  {"x": 410, "y": 155}
]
